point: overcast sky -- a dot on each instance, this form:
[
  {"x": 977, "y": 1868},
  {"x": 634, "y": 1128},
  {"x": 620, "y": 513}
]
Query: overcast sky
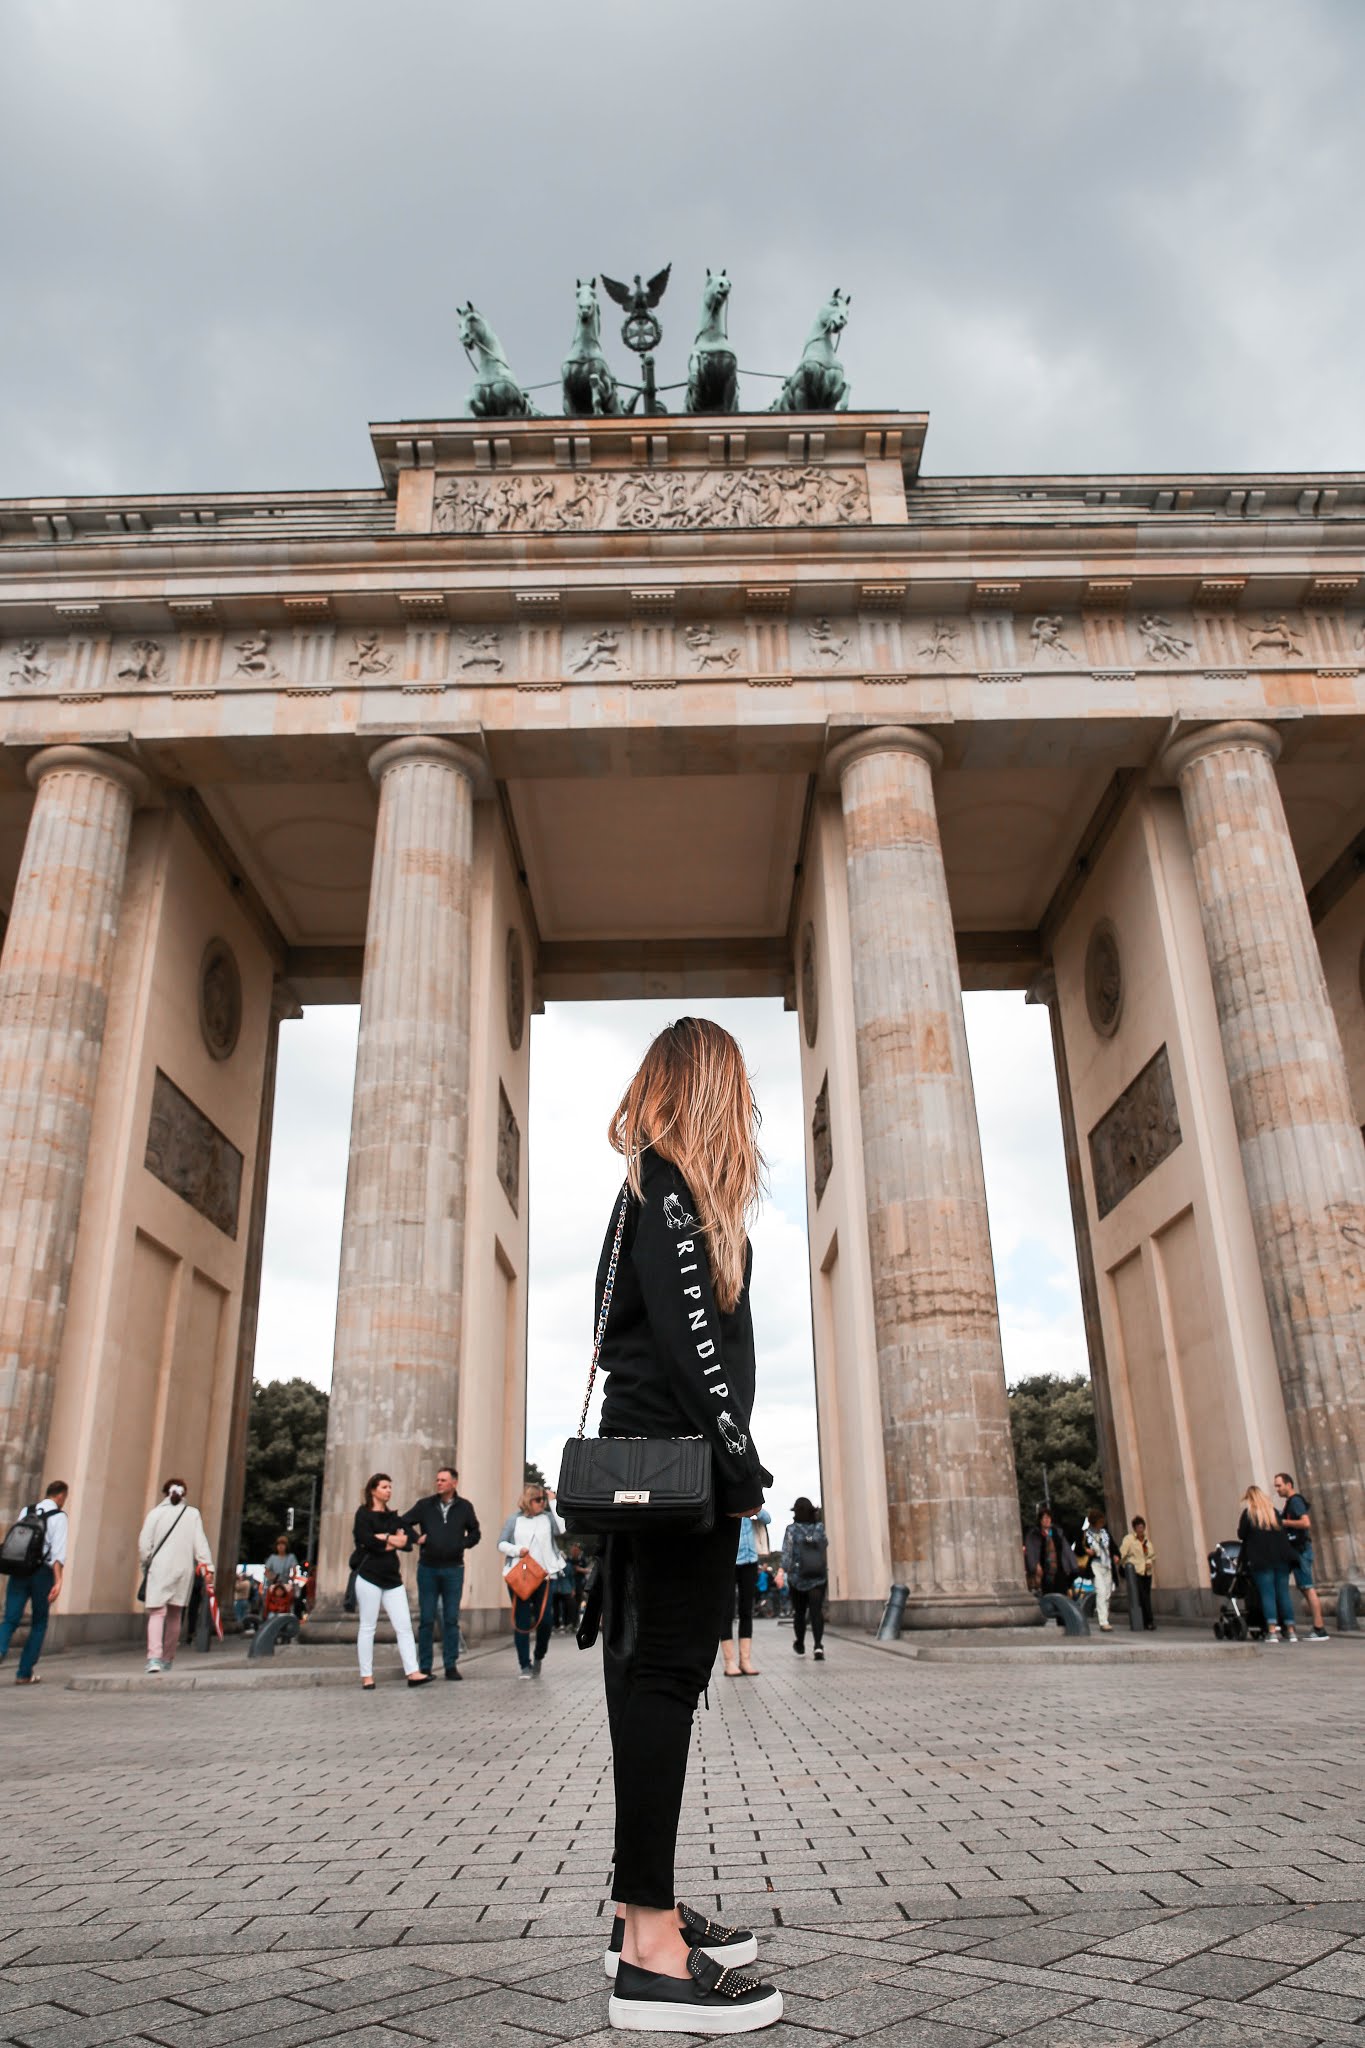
[{"x": 1082, "y": 236}]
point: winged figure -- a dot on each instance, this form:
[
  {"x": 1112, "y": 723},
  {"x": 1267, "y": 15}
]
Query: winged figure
[{"x": 637, "y": 298}]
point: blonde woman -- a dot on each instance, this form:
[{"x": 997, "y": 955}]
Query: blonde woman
[
  {"x": 1267, "y": 1556},
  {"x": 533, "y": 1530},
  {"x": 678, "y": 1351}
]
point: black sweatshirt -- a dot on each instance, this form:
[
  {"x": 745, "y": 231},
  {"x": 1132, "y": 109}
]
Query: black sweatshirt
[
  {"x": 377, "y": 1563},
  {"x": 1263, "y": 1550},
  {"x": 448, "y": 1535},
  {"x": 678, "y": 1366}
]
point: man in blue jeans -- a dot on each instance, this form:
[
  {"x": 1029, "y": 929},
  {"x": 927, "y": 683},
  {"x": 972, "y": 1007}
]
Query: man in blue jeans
[
  {"x": 1297, "y": 1524},
  {"x": 40, "y": 1588},
  {"x": 443, "y": 1526}
]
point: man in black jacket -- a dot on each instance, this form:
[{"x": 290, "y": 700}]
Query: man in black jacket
[{"x": 444, "y": 1526}]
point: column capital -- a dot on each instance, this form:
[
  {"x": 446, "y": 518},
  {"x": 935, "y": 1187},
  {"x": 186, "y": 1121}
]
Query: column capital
[
  {"x": 94, "y": 761},
  {"x": 1216, "y": 739},
  {"x": 881, "y": 739},
  {"x": 445, "y": 753},
  {"x": 1043, "y": 987}
]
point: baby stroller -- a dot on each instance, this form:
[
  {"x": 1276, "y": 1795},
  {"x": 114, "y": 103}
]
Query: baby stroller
[{"x": 1240, "y": 1618}]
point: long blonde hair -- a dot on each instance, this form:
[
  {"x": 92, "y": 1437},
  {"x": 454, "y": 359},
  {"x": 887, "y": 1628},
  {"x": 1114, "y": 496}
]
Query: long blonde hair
[
  {"x": 1261, "y": 1508},
  {"x": 692, "y": 1100}
]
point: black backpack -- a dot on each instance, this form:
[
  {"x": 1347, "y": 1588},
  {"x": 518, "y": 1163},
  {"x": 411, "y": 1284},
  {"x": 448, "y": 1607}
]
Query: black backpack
[
  {"x": 24, "y": 1547},
  {"x": 811, "y": 1550}
]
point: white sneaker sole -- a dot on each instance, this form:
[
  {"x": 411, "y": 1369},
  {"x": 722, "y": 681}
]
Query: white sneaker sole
[
  {"x": 654, "y": 2016},
  {"x": 732, "y": 1958}
]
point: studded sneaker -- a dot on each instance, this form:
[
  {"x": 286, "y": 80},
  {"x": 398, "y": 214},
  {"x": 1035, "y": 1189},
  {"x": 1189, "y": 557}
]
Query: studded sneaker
[
  {"x": 708, "y": 2000},
  {"x": 728, "y": 1946}
]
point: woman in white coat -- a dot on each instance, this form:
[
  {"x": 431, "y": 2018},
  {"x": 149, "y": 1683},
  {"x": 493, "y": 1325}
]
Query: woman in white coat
[
  {"x": 533, "y": 1530},
  {"x": 170, "y": 1546}
]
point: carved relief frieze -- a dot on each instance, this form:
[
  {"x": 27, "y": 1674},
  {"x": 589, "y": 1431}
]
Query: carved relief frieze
[
  {"x": 143, "y": 665},
  {"x": 480, "y": 652},
  {"x": 255, "y": 661},
  {"x": 707, "y": 652},
  {"x": 1133, "y": 1137},
  {"x": 1104, "y": 979},
  {"x": 943, "y": 645},
  {"x": 1163, "y": 642},
  {"x": 189, "y": 1154},
  {"x": 220, "y": 999},
  {"x": 827, "y": 646},
  {"x": 509, "y": 1150},
  {"x": 822, "y": 1141},
  {"x": 1273, "y": 638},
  {"x": 369, "y": 656},
  {"x": 598, "y": 653},
  {"x": 30, "y": 665},
  {"x": 644, "y": 500},
  {"x": 1049, "y": 638}
]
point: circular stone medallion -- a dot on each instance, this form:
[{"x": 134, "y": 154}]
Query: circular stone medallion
[
  {"x": 516, "y": 990},
  {"x": 810, "y": 991},
  {"x": 1104, "y": 979},
  {"x": 220, "y": 999}
]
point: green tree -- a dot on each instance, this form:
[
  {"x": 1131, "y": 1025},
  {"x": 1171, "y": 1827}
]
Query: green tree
[
  {"x": 1052, "y": 1422},
  {"x": 532, "y": 1474},
  {"x": 286, "y": 1440}
]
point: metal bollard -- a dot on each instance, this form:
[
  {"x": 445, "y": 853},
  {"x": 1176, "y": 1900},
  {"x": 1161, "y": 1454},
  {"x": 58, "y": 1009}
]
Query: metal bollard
[
  {"x": 1134, "y": 1604},
  {"x": 893, "y": 1614},
  {"x": 1348, "y": 1608},
  {"x": 1057, "y": 1607}
]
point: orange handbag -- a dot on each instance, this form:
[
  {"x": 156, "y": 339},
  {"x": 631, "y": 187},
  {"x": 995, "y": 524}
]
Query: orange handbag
[{"x": 525, "y": 1578}]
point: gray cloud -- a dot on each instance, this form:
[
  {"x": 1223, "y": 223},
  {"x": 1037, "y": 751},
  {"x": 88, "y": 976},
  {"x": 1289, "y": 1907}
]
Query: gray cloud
[{"x": 1081, "y": 237}]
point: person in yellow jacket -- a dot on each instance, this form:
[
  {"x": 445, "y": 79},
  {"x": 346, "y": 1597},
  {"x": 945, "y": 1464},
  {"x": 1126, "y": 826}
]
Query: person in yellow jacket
[{"x": 1136, "y": 1550}]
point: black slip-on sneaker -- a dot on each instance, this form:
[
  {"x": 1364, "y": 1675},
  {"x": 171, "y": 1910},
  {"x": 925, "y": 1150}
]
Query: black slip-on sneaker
[
  {"x": 731, "y": 1947},
  {"x": 708, "y": 2000}
]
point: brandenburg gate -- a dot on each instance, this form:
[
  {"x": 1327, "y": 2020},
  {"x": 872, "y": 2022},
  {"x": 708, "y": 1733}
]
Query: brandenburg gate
[{"x": 721, "y": 703}]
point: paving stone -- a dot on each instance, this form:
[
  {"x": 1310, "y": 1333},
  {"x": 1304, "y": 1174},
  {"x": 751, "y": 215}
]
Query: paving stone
[{"x": 926, "y": 1862}]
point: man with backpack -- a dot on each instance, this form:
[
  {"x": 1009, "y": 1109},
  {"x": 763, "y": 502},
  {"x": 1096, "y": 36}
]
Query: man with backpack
[
  {"x": 1297, "y": 1522},
  {"x": 805, "y": 1566},
  {"x": 34, "y": 1556}
]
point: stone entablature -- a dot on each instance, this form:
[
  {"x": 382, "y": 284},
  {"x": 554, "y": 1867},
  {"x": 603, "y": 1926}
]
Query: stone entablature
[{"x": 661, "y": 631}]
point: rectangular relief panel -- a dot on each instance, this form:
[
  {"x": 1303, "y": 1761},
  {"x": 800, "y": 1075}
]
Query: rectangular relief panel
[
  {"x": 185, "y": 1445},
  {"x": 1135, "y": 1134},
  {"x": 190, "y": 1155},
  {"x": 1160, "y": 1490}
]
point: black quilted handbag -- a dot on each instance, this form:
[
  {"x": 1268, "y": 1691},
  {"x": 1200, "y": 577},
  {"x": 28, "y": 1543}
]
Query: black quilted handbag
[{"x": 633, "y": 1484}]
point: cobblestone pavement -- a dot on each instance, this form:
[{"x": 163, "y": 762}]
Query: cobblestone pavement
[{"x": 934, "y": 1855}]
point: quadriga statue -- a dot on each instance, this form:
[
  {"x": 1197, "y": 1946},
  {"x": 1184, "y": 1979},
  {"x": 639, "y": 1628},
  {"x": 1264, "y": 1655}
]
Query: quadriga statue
[
  {"x": 818, "y": 383},
  {"x": 495, "y": 394},
  {"x": 712, "y": 370},
  {"x": 588, "y": 384}
]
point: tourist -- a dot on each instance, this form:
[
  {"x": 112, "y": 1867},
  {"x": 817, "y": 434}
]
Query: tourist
[
  {"x": 379, "y": 1536},
  {"x": 1136, "y": 1550},
  {"x": 532, "y": 1531},
  {"x": 241, "y": 1597},
  {"x": 805, "y": 1568},
  {"x": 170, "y": 1546},
  {"x": 1267, "y": 1556},
  {"x": 277, "y": 1578},
  {"x": 1297, "y": 1523},
  {"x": 38, "y": 1589},
  {"x": 678, "y": 1349},
  {"x": 746, "y": 1585},
  {"x": 1099, "y": 1553},
  {"x": 445, "y": 1526},
  {"x": 1048, "y": 1557},
  {"x": 566, "y": 1591}
]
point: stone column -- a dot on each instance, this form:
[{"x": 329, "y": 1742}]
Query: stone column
[
  {"x": 1043, "y": 989},
  {"x": 1302, "y": 1154},
  {"x": 395, "y": 1376},
  {"x": 955, "y": 1529},
  {"x": 283, "y": 1005},
  {"x": 54, "y": 993}
]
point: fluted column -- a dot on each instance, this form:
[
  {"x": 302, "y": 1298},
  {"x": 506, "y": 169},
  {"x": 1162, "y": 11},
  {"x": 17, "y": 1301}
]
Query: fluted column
[
  {"x": 955, "y": 1533},
  {"x": 395, "y": 1376},
  {"x": 1302, "y": 1154},
  {"x": 54, "y": 993}
]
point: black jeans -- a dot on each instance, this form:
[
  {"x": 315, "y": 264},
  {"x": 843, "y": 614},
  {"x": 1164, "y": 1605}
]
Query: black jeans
[
  {"x": 746, "y": 1585},
  {"x": 811, "y": 1602},
  {"x": 1144, "y": 1593},
  {"x": 666, "y": 1601}
]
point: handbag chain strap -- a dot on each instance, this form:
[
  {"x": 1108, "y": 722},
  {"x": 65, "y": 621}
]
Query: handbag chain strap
[{"x": 612, "y": 1264}]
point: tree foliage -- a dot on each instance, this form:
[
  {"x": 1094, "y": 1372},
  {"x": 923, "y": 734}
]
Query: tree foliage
[
  {"x": 286, "y": 1440},
  {"x": 532, "y": 1474},
  {"x": 1052, "y": 1422}
]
